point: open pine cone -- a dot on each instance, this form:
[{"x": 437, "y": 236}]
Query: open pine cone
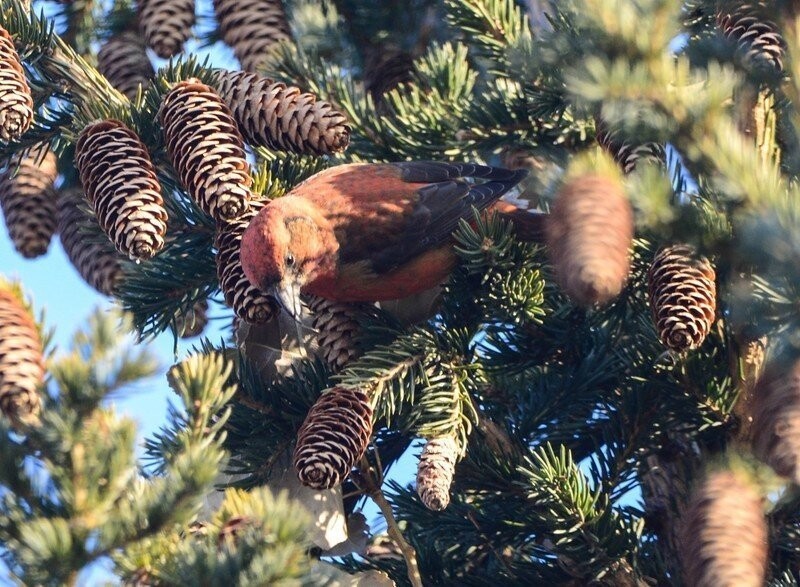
[
  {"x": 206, "y": 149},
  {"x": 123, "y": 61},
  {"x": 248, "y": 302},
  {"x": 277, "y": 116},
  {"x": 683, "y": 297},
  {"x": 336, "y": 327},
  {"x": 166, "y": 25},
  {"x": 120, "y": 182},
  {"x": 758, "y": 37},
  {"x": 16, "y": 102},
  {"x": 252, "y": 28},
  {"x": 333, "y": 437}
]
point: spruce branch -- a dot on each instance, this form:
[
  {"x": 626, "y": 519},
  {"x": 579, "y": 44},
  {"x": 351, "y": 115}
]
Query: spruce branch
[{"x": 370, "y": 481}]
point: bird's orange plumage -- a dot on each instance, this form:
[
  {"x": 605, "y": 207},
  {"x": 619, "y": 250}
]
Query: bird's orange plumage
[{"x": 367, "y": 232}]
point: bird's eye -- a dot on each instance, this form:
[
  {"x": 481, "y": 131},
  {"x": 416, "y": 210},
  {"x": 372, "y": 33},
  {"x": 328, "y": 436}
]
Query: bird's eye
[{"x": 289, "y": 260}]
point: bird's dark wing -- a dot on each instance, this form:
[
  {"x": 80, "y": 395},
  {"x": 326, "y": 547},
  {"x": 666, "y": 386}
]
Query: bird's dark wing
[{"x": 443, "y": 198}]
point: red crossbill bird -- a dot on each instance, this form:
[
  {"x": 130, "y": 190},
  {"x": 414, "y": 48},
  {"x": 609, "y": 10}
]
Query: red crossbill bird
[{"x": 367, "y": 232}]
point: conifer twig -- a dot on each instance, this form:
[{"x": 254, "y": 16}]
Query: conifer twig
[{"x": 372, "y": 487}]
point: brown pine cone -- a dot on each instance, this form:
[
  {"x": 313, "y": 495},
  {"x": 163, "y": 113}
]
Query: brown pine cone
[
  {"x": 252, "y": 28},
  {"x": 683, "y": 297},
  {"x": 333, "y": 437},
  {"x": 123, "y": 60},
  {"x": 628, "y": 154},
  {"x": 758, "y": 37},
  {"x": 193, "y": 322},
  {"x": 588, "y": 233},
  {"x": 206, "y": 150},
  {"x": 21, "y": 361},
  {"x": 724, "y": 533},
  {"x": 336, "y": 327},
  {"x": 120, "y": 182},
  {"x": 437, "y": 465},
  {"x": 16, "y": 102},
  {"x": 247, "y": 301},
  {"x": 166, "y": 25},
  {"x": 776, "y": 418},
  {"x": 28, "y": 201},
  {"x": 281, "y": 117},
  {"x": 88, "y": 249}
]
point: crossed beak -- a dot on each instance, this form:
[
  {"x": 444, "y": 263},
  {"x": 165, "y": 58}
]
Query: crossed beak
[{"x": 288, "y": 295}]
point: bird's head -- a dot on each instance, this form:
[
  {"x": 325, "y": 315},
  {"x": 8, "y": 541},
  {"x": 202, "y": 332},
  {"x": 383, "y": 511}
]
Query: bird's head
[{"x": 287, "y": 245}]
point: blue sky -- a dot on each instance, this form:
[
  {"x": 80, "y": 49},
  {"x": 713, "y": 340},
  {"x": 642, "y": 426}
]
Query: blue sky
[{"x": 55, "y": 287}]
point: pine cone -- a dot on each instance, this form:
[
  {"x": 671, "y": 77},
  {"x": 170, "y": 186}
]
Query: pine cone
[
  {"x": 336, "y": 326},
  {"x": 776, "y": 418},
  {"x": 757, "y": 36},
  {"x": 277, "y": 116},
  {"x": 588, "y": 233},
  {"x": 21, "y": 362},
  {"x": 333, "y": 437},
  {"x": 89, "y": 251},
  {"x": 166, "y": 25},
  {"x": 724, "y": 533},
  {"x": 206, "y": 150},
  {"x": 192, "y": 323},
  {"x": 249, "y": 304},
  {"x": 683, "y": 297},
  {"x": 28, "y": 201},
  {"x": 628, "y": 154},
  {"x": 123, "y": 61},
  {"x": 16, "y": 102},
  {"x": 121, "y": 184},
  {"x": 437, "y": 465},
  {"x": 252, "y": 28}
]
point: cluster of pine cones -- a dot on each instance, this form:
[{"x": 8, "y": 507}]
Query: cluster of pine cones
[{"x": 205, "y": 128}]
